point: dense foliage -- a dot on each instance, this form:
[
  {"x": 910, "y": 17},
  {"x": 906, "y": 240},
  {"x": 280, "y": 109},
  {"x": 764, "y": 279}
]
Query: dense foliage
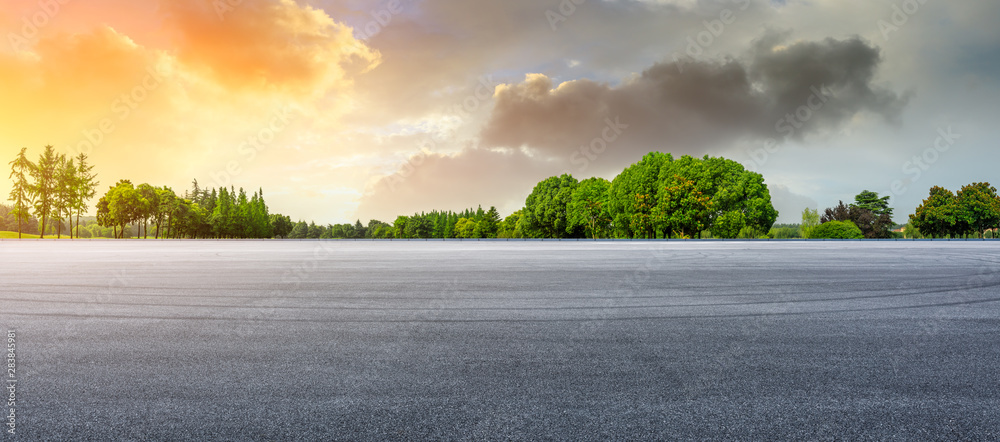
[
  {"x": 222, "y": 213},
  {"x": 869, "y": 212},
  {"x": 658, "y": 197},
  {"x": 973, "y": 210},
  {"x": 52, "y": 189},
  {"x": 836, "y": 230}
]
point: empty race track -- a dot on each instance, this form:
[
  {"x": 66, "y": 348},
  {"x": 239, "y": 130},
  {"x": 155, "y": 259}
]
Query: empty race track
[{"x": 312, "y": 340}]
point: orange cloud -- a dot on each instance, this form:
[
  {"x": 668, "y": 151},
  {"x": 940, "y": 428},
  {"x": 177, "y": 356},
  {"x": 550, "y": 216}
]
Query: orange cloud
[
  {"x": 68, "y": 80},
  {"x": 267, "y": 45}
]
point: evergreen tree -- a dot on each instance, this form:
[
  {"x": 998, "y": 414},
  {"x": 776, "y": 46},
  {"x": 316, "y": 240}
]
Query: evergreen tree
[
  {"x": 86, "y": 186},
  {"x": 44, "y": 188},
  {"x": 22, "y": 192}
]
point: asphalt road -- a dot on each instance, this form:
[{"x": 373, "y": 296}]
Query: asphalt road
[{"x": 503, "y": 340}]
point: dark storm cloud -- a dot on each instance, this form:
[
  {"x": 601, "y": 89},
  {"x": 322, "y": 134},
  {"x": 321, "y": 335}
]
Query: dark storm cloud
[{"x": 687, "y": 106}]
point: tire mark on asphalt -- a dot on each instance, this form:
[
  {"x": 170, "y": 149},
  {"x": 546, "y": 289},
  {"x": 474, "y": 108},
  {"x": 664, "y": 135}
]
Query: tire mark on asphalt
[{"x": 506, "y": 320}]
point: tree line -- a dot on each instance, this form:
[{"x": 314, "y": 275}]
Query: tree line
[
  {"x": 658, "y": 197},
  {"x": 470, "y": 223},
  {"x": 52, "y": 189},
  {"x": 973, "y": 210},
  {"x": 200, "y": 213}
]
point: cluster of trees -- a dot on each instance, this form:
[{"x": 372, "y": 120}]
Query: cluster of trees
[
  {"x": 868, "y": 217},
  {"x": 658, "y": 197},
  {"x": 471, "y": 223},
  {"x": 972, "y": 210},
  {"x": 837, "y": 229},
  {"x": 52, "y": 189},
  {"x": 8, "y": 221},
  {"x": 222, "y": 213}
]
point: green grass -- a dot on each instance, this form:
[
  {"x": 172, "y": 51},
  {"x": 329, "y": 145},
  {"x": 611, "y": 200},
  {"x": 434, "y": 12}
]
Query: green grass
[
  {"x": 10, "y": 235},
  {"x": 13, "y": 235}
]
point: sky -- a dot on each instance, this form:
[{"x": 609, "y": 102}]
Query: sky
[{"x": 358, "y": 109}]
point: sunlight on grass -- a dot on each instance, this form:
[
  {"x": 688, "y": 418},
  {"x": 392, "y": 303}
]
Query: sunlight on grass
[{"x": 10, "y": 235}]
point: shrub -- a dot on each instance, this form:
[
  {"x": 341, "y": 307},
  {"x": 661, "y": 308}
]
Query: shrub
[
  {"x": 751, "y": 232},
  {"x": 784, "y": 233},
  {"x": 836, "y": 230}
]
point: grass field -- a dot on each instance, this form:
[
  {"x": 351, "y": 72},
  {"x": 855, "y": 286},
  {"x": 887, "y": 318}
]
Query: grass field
[
  {"x": 9, "y": 235},
  {"x": 13, "y": 235}
]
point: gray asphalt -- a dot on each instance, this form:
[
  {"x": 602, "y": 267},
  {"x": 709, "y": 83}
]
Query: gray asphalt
[{"x": 503, "y": 340}]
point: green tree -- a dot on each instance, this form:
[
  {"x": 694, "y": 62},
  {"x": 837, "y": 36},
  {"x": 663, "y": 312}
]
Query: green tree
[
  {"x": 510, "y": 226},
  {"x": 935, "y": 216},
  {"x": 418, "y": 226},
  {"x": 45, "y": 186},
  {"x": 86, "y": 186},
  {"x": 785, "y": 231},
  {"x": 119, "y": 207},
  {"x": 810, "y": 219},
  {"x": 634, "y": 193},
  {"x": 489, "y": 225},
  {"x": 151, "y": 207},
  {"x": 300, "y": 231},
  {"x": 741, "y": 202},
  {"x": 65, "y": 193},
  {"x": 400, "y": 226},
  {"x": 165, "y": 198},
  {"x": 224, "y": 216},
  {"x": 22, "y": 192},
  {"x": 682, "y": 209},
  {"x": 314, "y": 231},
  {"x": 588, "y": 207},
  {"x": 360, "y": 231},
  {"x": 871, "y": 201},
  {"x": 836, "y": 230},
  {"x": 872, "y": 214},
  {"x": 911, "y": 232},
  {"x": 281, "y": 226},
  {"x": 875, "y": 223},
  {"x": 545, "y": 210},
  {"x": 978, "y": 207},
  {"x": 378, "y": 230},
  {"x": 465, "y": 228}
]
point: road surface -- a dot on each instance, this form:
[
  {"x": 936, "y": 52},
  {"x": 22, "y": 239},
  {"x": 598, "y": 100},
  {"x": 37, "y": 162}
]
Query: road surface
[{"x": 268, "y": 340}]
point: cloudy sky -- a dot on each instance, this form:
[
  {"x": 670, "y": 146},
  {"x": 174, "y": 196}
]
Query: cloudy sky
[{"x": 353, "y": 109}]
